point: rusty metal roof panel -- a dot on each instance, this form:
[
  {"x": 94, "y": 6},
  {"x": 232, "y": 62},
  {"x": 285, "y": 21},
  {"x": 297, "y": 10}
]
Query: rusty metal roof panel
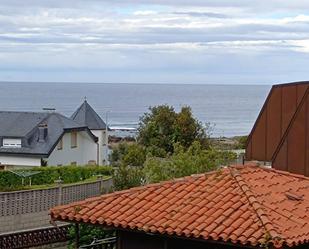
[
  {"x": 274, "y": 119},
  {"x": 293, "y": 151}
]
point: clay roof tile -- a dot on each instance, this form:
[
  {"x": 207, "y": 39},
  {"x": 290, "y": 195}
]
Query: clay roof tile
[{"x": 240, "y": 204}]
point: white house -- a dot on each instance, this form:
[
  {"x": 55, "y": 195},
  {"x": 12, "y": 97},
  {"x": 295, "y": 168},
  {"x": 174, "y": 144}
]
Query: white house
[
  {"x": 42, "y": 138},
  {"x": 85, "y": 115}
]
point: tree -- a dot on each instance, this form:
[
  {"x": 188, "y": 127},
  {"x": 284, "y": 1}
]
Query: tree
[
  {"x": 135, "y": 155},
  {"x": 128, "y": 177},
  {"x": 128, "y": 154},
  {"x": 185, "y": 162},
  {"x": 161, "y": 127},
  {"x": 242, "y": 142}
]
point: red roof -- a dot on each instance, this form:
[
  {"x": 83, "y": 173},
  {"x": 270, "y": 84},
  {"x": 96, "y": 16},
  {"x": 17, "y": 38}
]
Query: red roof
[{"x": 239, "y": 204}]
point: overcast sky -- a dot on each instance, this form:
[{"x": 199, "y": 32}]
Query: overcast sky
[{"x": 164, "y": 41}]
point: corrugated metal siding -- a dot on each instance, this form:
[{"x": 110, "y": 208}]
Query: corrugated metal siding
[{"x": 273, "y": 120}]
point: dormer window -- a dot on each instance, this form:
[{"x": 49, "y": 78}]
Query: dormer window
[{"x": 11, "y": 142}]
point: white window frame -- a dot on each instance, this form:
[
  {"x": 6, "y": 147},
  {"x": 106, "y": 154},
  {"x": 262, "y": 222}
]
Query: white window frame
[{"x": 11, "y": 142}]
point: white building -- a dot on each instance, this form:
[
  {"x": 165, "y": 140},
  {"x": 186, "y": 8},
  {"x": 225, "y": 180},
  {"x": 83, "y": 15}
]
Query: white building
[
  {"x": 85, "y": 115},
  {"x": 41, "y": 138}
]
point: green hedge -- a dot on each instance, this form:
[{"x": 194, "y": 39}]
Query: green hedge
[{"x": 48, "y": 175}]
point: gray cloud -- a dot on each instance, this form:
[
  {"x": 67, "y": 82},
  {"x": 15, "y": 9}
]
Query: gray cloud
[{"x": 219, "y": 41}]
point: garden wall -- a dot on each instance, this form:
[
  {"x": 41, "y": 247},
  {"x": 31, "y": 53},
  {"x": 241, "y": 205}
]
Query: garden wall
[{"x": 22, "y": 210}]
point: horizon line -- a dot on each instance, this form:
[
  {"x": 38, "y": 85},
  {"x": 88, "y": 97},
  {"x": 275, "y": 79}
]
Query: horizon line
[{"x": 139, "y": 83}]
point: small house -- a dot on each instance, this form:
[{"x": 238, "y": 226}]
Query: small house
[{"x": 233, "y": 207}]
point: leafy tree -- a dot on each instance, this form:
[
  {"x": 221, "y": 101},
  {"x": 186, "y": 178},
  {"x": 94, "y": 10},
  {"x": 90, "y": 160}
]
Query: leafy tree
[
  {"x": 135, "y": 155},
  {"x": 157, "y": 127},
  {"x": 188, "y": 129},
  {"x": 162, "y": 127},
  {"x": 242, "y": 142},
  {"x": 128, "y": 177},
  {"x": 128, "y": 154},
  {"x": 155, "y": 151},
  {"x": 185, "y": 162}
]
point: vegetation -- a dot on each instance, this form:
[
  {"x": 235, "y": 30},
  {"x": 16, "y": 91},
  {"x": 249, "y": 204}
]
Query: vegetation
[
  {"x": 169, "y": 145},
  {"x": 233, "y": 143},
  {"x": 87, "y": 234},
  {"x": 162, "y": 127},
  {"x": 48, "y": 175},
  {"x": 128, "y": 177},
  {"x": 129, "y": 154},
  {"x": 242, "y": 142},
  {"x": 182, "y": 162}
]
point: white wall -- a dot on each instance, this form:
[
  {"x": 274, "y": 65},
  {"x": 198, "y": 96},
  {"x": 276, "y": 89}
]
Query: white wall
[
  {"x": 85, "y": 151},
  {"x": 20, "y": 161},
  {"x": 102, "y": 148}
]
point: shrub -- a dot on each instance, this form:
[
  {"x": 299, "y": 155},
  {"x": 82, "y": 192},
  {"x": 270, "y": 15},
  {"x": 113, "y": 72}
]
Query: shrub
[
  {"x": 242, "y": 142},
  {"x": 48, "y": 175},
  {"x": 127, "y": 177},
  {"x": 185, "y": 162},
  {"x": 162, "y": 126},
  {"x": 128, "y": 154},
  {"x": 87, "y": 234}
]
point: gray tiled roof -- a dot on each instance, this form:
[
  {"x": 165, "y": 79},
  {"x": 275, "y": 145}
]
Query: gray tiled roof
[
  {"x": 85, "y": 115},
  {"x": 26, "y": 126},
  {"x": 19, "y": 123}
]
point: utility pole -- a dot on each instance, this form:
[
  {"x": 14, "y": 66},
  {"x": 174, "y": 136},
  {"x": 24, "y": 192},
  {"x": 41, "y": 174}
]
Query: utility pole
[{"x": 106, "y": 137}]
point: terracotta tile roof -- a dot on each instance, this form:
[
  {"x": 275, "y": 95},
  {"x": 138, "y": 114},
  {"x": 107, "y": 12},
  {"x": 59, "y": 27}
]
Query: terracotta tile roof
[{"x": 238, "y": 204}]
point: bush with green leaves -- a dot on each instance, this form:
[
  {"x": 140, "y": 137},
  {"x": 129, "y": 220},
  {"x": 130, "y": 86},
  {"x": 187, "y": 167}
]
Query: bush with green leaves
[
  {"x": 162, "y": 127},
  {"x": 128, "y": 177},
  {"x": 242, "y": 142},
  {"x": 87, "y": 234},
  {"x": 184, "y": 162},
  {"x": 129, "y": 154},
  {"x": 48, "y": 175}
]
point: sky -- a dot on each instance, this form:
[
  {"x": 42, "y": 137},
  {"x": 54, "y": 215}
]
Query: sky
[{"x": 147, "y": 41}]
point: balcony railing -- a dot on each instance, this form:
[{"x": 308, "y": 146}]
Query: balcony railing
[
  {"x": 109, "y": 243},
  {"x": 34, "y": 237}
]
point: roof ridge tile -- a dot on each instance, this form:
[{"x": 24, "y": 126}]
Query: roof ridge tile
[{"x": 255, "y": 204}]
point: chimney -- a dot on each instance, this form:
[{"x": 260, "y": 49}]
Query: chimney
[{"x": 42, "y": 132}]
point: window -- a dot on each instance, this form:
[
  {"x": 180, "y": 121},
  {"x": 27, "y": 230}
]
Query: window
[
  {"x": 60, "y": 144},
  {"x": 73, "y": 139},
  {"x": 11, "y": 142}
]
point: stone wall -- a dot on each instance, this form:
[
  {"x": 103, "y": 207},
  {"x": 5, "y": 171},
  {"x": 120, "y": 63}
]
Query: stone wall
[{"x": 59, "y": 245}]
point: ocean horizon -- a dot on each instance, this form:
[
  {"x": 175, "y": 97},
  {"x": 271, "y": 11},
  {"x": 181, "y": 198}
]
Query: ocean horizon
[{"x": 231, "y": 110}]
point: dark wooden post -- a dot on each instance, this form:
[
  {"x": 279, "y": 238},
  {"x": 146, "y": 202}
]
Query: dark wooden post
[
  {"x": 165, "y": 243},
  {"x": 77, "y": 235},
  {"x": 118, "y": 240}
]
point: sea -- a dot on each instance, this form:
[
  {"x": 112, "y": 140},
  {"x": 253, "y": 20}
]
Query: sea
[{"x": 231, "y": 110}]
